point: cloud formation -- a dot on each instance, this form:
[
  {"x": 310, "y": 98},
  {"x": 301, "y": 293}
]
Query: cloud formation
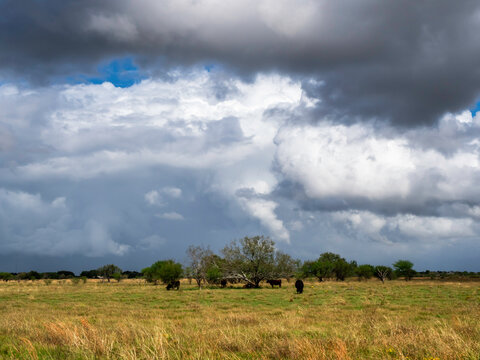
[
  {"x": 407, "y": 62},
  {"x": 330, "y": 126},
  {"x": 33, "y": 226},
  {"x": 368, "y": 182},
  {"x": 96, "y": 134},
  {"x": 340, "y": 166}
]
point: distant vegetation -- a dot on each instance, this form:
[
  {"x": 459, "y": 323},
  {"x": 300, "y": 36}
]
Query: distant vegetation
[{"x": 250, "y": 261}]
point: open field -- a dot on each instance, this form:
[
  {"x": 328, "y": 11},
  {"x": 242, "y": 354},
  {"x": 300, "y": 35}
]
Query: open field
[{"x": 331, "y": 320}]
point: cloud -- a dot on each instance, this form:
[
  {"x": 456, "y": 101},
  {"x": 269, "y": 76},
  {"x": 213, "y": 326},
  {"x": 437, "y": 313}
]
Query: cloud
[
  {"x": 424, "y": 229},
  {"x": 179, "y": 124},
  {"x": 359, "y": 166},
  {"x": 170, "y": 216},
  {"x": 264, "y": 210},
  {"x": 152, "y": 242},
  {"x": 173, "y": 192},
  {"x": 153, "y": 198},
  {"x": 119, "y": 27},
  {"x": 87, "y": 167},
  {"x": 404, "y": 63},
  {"x": 32, "y": 225}
]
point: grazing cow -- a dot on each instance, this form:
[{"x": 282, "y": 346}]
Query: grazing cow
[
  {"x": 248, "y": 286},
  {"x": 173, "y": 285},
  {"x": 299, "y": 286},
  {"x": 223, "y": 283},
  {"x": 275, "y": 282}
]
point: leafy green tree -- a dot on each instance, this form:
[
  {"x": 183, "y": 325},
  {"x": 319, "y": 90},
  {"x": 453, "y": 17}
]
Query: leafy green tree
[
  {"x": 251, "y": 259},
  {"x": 365, "y": 271},
  {"x": 118, "y": 276},
  {"x": 108, "y": 271},
  {"x": 329, "y": 265},
  {"x": 91, "y": 274},
  {"x": 22, "y": 276},
  {"x": 50, "y": 275},
  {"x": 214, "y": 274},
  {"x": 166, "y": 271},
  {"x": 344, "y": 269},
  {"x": 320, "y": 269},
  {"x": 404, "y": 268},
  {"x": 5, "y": 276},
  {"x": 64, "y": 274},
  {"x": 215, "y": 269},
  {"x": 131, "y": 274},
  {"x": 33, "y": 275}
]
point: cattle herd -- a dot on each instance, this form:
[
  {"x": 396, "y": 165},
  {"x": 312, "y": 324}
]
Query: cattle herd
[{"x": 298, "y": 284}]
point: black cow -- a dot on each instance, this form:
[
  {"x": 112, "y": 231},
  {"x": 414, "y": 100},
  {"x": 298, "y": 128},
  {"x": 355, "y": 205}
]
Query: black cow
[
  {"x": 223, "y": 283},
  {"x": 248, "y": 286},
  {"x": 299, "y": 286},
  {"x": 275, "y": 282},
  {"x": 173, "y": 285}
]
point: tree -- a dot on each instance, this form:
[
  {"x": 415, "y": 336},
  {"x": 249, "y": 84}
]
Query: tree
[
  {"x": 107, "y": 271},
  {"x": 383, "y": 272},
  {"x": 365, "y": 271},
  {"x": 404, "y": 268},
  {"x": 319, "y": 269},
  {"x": 328, "y": 265},
  {"x": 215, "y": 269},
  {"x": 118, "y": 276},
  {"x": 344, "y": 269},
  {"x": 214, "y": 274},
  {"x": 22, "y": 276},
  {"x": 5, "y": 276},
  {"x": 33, "y": 275},
  {"x": 64, "y": 274},
  {"x": 251, "y": 259},
  {"x": 285, "y": 266},
  {"x": 167, "y": 271},
  {"x": 91, "y": 274},
  {"x": 131, "y": 274},
  {"x": 200, "y": 258}
]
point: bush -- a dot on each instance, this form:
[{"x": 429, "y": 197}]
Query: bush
[
  {"x": 108, "y": 271},
  {"x": 117, "y": 276},
  {"x": 365, "y": 271},
  {"x": 404, "y": 268},
  {"x": 166, "y": 271},
  {"x": 5, "y": 276},
  {"x": 214, "y": 274}
]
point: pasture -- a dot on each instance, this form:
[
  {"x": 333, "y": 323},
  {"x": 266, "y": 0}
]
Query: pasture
[{"x": 330, "y": 320}]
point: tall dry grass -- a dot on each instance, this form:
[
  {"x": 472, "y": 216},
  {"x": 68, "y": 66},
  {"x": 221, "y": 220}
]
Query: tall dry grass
[{"x": 131, "y": 320}]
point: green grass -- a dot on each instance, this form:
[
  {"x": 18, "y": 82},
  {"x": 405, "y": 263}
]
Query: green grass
[{"x": 331, "y": 320}]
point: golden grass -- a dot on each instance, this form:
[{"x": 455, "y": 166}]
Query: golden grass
[{"x": 132, "y": 320}]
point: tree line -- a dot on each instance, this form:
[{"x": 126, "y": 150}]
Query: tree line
[{"x": 250, "y": 260}]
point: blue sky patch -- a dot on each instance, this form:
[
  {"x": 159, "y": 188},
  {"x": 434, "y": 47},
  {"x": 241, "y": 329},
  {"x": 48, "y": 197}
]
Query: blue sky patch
[
  {"x": 475, "y": 109},
  {"x": 121, "y": 72}
]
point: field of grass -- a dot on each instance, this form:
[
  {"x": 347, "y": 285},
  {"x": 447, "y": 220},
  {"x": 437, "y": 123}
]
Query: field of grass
[{"x": 331, "y": 320}]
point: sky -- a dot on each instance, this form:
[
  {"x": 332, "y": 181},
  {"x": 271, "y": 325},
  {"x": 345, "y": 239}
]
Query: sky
[{"x": 130, "y": 130}]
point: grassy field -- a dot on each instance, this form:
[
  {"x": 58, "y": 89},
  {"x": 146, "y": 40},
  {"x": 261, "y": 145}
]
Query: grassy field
[{"x": 331, "y": 320}]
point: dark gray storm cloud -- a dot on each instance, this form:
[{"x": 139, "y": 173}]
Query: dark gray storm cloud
[{"x": 408, "y": 62}]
